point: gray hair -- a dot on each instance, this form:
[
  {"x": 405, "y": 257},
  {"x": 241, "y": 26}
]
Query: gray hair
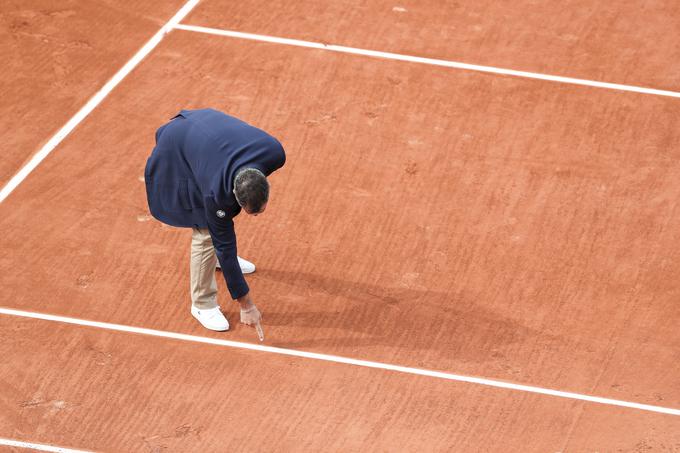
[{"x": 251, "y": 189}]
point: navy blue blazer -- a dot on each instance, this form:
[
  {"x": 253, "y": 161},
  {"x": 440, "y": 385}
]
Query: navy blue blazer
[{"x": 190, "y": 174}]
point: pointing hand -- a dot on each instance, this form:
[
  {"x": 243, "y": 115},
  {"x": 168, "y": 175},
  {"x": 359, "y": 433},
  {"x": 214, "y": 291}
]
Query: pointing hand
[{"x": 251, "y": 316}]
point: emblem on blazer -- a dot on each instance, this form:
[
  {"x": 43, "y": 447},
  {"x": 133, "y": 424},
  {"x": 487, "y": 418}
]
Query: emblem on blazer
[{"x": 220, "y": 213}]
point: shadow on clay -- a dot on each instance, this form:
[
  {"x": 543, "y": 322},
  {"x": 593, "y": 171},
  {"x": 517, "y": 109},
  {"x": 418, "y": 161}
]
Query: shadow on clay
[{"x": 400, "y": 318}]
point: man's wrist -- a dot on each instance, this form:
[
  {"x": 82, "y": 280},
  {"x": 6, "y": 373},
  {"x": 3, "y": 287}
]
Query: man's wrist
[{"x": 245, "y": 302}]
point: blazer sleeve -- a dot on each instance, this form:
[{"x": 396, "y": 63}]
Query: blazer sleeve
[
  {"x": 224, "y": 240},
  {"x": 273, "y": 159}
]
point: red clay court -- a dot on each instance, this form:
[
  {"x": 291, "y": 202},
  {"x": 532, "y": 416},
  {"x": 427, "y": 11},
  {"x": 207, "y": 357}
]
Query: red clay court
[{"x": 474, "y": 245}]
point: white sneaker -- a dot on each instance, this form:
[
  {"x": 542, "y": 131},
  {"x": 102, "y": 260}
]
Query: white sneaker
[
  {"x": 246, "y": 266},
  {"x": 211, "y": 318}
]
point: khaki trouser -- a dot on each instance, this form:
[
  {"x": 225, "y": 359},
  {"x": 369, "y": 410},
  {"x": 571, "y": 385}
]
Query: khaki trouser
[{"x": 203, "y": 263}]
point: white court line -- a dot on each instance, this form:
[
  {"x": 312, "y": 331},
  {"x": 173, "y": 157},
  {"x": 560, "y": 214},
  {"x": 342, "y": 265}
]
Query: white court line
[
  {"x": 429, "y": 61},
  {"x": 41, "y": 447},
  {"x": 95, "y": 100},
  {"x": 344, "y": 360}
]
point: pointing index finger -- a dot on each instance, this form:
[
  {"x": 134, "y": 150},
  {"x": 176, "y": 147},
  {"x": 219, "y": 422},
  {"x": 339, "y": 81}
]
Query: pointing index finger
[{"x": 260, "y": 332}]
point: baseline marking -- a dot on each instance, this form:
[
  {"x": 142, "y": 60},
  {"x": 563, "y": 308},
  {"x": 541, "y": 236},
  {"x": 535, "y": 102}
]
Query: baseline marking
[
  {"x": 95, "y": 100},
  {"x": 338, "y": 359},
  {"x": 423, "y": 60},
  {"x": 41, "y": 447}
]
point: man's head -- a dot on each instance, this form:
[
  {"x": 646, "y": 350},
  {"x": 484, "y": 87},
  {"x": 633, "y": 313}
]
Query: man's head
[{"x": 251, "y": 190}]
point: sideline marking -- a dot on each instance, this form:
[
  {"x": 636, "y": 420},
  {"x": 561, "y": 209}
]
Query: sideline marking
[
  {"x": 41, "y": 447},
  {"x": 95, "y": 100},
  {"x": 338, "y": 359},
  {"x": 423, "y": 60}
]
